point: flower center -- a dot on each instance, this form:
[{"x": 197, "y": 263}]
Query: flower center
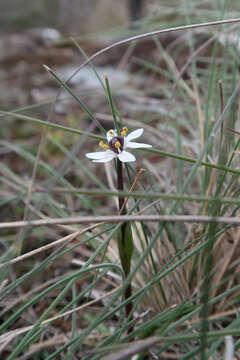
[{"x": 116, "y": 144}]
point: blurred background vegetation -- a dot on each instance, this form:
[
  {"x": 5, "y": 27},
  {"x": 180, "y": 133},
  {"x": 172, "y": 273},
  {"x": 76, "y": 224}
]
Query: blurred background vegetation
[
  {"x": 86, "y": 16},
  {"x": 68, "y": 16},
  {"x": 169, "y": 85}
]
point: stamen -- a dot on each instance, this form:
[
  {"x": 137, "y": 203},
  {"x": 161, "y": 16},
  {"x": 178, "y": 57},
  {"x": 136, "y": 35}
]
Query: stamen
[
  {"x": 111, "y": 132},
  {"x": 124, "y": 131},
  {"x": 117, "y": 144},
  {"x": 104, "y": 146}
]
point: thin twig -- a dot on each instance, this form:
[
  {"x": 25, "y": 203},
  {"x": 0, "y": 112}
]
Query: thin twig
[
  {"x": 120, "y": 218},
  {"x": 131, "y": 189}
]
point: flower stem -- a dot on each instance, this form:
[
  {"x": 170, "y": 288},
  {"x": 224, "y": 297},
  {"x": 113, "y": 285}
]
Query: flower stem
[
  {"x": 125, "y": 241},
  {"x": 120, "y": 187}
]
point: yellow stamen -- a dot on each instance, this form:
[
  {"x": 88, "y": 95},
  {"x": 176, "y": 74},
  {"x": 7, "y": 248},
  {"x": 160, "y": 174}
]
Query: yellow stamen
[
  {"x": 111, "y": 132},
  {"x": 117, "y": 144},
  {"x": 104, "y": 146},
  {"x": 124, "y": 131}
]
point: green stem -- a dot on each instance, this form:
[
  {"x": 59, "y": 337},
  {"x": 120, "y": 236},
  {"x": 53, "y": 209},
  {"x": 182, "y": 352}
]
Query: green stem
[
  {"x": 125, "y": 243},
  {"x": 122, "y": 209}
]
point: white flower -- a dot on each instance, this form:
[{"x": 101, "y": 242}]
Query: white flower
[{"x": 116, "y": 145}]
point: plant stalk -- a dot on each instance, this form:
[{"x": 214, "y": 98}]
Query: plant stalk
[{"x": 125, "y": 242}]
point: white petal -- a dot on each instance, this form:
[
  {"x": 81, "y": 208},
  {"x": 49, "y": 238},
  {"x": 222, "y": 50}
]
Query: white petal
[
  {"x": 134, "y": 134},
  {"x": 108, "y": 156},
  {"x": 96, "y": 155},
  {"x": 104, "y": 160},
  {"x": 134, "y": 145},
  {"x": 101, "y": 156},
  {"x": 110, "y": 134},
  {"x": 125, "y": 156}
]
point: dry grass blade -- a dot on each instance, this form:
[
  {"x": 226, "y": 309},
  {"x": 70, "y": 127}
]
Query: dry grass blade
[
  {"x": 153, "y": 33},
  {"x": 120, "y": 218}
]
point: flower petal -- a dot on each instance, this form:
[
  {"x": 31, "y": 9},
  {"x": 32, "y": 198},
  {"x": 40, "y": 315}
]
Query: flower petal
[
  {"x": 108, "y": 156},
  {"x": 101, "y": 156},
  {"x": 96, "y": 155},
  {"x": 134, "y": 145},
  {"x": 104, "y": 160},
  {"x": 134, "y": 135},
  {"x": 110, "y": 134},
  {"x": 125, "y": 156}
]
